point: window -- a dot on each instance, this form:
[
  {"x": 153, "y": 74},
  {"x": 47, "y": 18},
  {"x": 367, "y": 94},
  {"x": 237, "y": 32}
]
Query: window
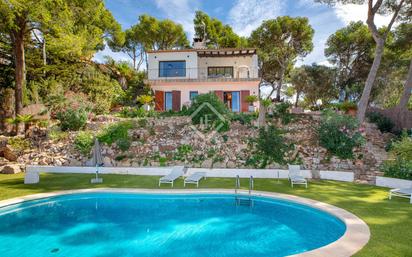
[
  {"x": 172, "y": 69},
  {"x": 220, "y": 72},
  {"x": 192, "y": 95},
  {"x": 168, "y": 101}
]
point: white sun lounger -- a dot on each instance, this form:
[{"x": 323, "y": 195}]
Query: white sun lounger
[
  {"x": 295, "y": 177},
  {"x": 195, "y": 178},
  {"x": 176, "y": 172},
  {"x": 401, "y": 192}
]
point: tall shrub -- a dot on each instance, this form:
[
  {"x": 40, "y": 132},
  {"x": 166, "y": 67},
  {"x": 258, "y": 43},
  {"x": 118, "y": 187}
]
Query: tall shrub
[
  {"x": 383, "y": 123},
  {"x": 117, "y": 133},
  {"x": 84, "y": 142},
  {"x": 208, "y": 107},
  {"x": 72, "y": 119},
  {"x": 401, "y": 164},
  {"x": 339, "y": 134},
  {"x": 270, "y": 147}
]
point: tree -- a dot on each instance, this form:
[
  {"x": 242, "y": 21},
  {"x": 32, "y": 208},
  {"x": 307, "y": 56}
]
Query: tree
[
  {"x": 150, "y": 33},
  {"x": 120, "y": 70},
  {"x": 395, "y": 8},
  {"x": 403, "y": 46},
  {"x": 170, "y": 35},
  {"x": 68, "y": 23},
  {"x": 350, "y": 50},
  {"x": 157, "y": 34},
  {"x": 215, "y": 33},
  {"x": 299, "y": 78},
  {"x": 16, "y": 19},
  {"x": 321, "y": 84},
  {"x": 280, "y": 42},
  {"x": 133, "y": 46}
]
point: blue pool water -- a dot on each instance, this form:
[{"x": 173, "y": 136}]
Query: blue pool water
[{"x": 126, "y": 225}]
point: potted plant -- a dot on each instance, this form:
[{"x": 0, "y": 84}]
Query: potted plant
[
  {"x": 349, "y": 108},
  {"x": 251, "y": 99},
  {"x": 146, "y": 101}
]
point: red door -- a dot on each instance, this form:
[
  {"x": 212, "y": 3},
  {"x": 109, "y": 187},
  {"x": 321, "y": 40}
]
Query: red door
[
  {"x": 176, "y": 100},
  {"x": 159, "y": 100},
  {"x": 244, "y": 105}
]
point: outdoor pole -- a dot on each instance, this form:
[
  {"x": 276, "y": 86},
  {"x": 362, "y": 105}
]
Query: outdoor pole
[{"x": 278, "y": 178}]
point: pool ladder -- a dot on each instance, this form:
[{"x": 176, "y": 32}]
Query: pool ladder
[{"x": 247, "y": 201}]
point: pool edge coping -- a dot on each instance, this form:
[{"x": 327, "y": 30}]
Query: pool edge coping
[{"x": 356, "y": 236}]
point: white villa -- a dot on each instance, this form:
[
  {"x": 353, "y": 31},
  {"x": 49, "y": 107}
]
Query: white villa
[{"x": 177, "y": 76}]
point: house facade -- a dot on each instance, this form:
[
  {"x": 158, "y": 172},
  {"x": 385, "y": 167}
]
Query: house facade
[{"x": 177, "y": 76}]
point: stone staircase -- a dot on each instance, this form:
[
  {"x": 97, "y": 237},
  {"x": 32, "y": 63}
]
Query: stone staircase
[{"x": 374, "y": 154}]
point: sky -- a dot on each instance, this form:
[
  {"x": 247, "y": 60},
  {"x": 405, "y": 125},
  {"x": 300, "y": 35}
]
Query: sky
[{"x": 243, "y": 15}]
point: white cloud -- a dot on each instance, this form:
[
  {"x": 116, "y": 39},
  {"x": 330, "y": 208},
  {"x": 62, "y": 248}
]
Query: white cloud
[
  {"x": 307, "y": 4},
  {"x": 355, "y": 12},
  {"x": 118, "y": 56},
  {"x": 180, "y": 11},
  {"x": 247, "y": 15}
]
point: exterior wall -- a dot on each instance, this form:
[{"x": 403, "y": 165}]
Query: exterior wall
[
  {"x": 161, "y": 171},
  {"x": 237, "y": 62},
  {"x": 189, "y": 56},
  {"x": 205, "y": 87},
  {"x": 393, "y": 182}
]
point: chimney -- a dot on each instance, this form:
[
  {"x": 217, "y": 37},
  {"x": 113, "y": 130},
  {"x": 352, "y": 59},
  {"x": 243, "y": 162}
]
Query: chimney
[{"x": 198, "y": 43}]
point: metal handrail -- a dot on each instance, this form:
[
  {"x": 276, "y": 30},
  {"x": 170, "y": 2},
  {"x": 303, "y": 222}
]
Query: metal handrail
[
  {"x": 251, "y": 184},
  {"x": 201, "y": 74},
  {"x": 237, "y": 185}
]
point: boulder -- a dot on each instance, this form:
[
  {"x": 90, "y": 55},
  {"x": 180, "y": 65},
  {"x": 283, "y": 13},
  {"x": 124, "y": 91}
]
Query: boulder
[
  {"x": 3, "y": 141},
  {"x": 107, "y": 162},
  {"x": 74, "y": 162},
  {"x": 8, "y": 153},
  {"x": 207, "y": 163},
  {"x": 38, "y": 111},
  {"x": 3, "y": 161},
  {"x": 10, "y": 169},
  {"x": 230, "y": 165}
]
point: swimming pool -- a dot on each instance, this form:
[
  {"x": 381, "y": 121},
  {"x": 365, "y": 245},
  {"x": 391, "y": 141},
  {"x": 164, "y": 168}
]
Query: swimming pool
[{"x": 112, "y": 224}]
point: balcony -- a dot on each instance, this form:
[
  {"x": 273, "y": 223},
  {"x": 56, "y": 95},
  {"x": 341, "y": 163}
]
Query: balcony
[{"x": 240, "y": 73}]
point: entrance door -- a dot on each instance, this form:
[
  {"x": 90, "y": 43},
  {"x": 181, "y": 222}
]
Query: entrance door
[{"x": 232, "y": 100}]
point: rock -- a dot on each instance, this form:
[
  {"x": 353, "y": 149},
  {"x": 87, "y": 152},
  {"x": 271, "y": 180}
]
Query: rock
[
  {"x": 296, "y": 110},
  {"x": 10, "y": 169},
  {"x": 230, "y": 164},
  {"x": 207, "y": 163},
  {"x": 3, "y": 141},
  {"x": 107, "y": 162},
  {"x": 38, "y": 111},
  {"x": 8, "y": 153},
  {"x": 3, "y": 161},
  {"x": 43, "y": 162},
  {"x": 74, "y": 162},
  {"x": 123, "y": 163}
]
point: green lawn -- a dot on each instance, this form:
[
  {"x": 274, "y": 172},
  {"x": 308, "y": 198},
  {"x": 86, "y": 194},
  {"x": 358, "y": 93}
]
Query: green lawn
[{"x": 390, "y": 221}]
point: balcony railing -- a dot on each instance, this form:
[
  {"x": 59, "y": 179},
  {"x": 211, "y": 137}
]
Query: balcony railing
[{"x": 202, "y": 74}]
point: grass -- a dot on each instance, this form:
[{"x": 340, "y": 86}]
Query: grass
[{"x": 390, "y": 222}]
